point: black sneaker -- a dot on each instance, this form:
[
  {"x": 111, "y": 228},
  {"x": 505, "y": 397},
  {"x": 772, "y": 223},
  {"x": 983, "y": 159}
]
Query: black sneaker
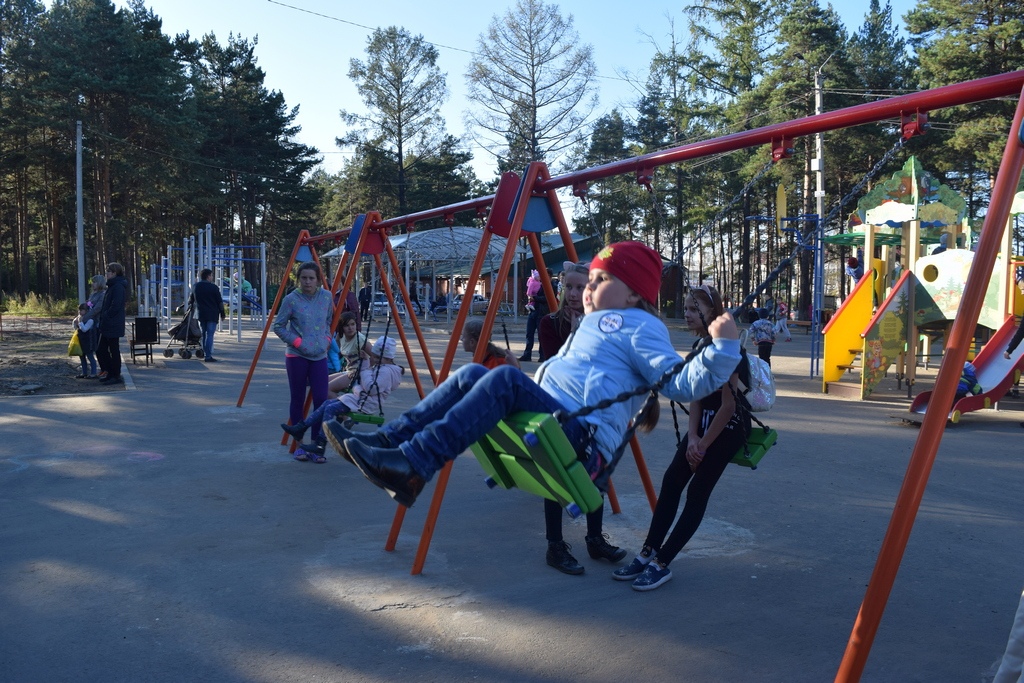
[
  {"x": 526, "y": 357},
  {"x": 600, "y": 549},
  {"x": 116, "y": 379},
  {"x": 561, "y": 559},
  {"x": 297, "y": 430}
]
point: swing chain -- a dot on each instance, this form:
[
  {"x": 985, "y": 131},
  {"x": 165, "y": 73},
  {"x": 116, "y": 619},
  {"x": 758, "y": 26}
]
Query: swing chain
[
  {"x": 580, "y": 190},
  {"x": 802, "y": 239},
  {"x": 563, "y": 416},
  {"x": 725, "y": 209},
  {"x": 365, "y": 395},
  {"x": 886, "y": 158}
]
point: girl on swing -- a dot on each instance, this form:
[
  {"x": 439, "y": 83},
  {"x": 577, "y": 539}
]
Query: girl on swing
[
  {"x": 621, "y": 344},
  {"x": 716, "y": 431},
  {"x": 352, "y": 346}
]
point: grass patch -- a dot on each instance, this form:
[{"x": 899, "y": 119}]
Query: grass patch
[{"x": 33, "y": 304}]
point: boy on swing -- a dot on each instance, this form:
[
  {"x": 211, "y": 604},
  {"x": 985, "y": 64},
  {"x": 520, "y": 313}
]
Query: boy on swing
[{"x": 621, "y": 344}]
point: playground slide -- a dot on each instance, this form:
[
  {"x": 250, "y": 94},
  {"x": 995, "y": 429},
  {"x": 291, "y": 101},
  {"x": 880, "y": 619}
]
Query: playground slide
[{"x": 995, "y": 375}]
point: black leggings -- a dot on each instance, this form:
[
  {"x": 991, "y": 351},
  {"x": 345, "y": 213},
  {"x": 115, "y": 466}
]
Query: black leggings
[
  {"x": 553, "y": 520},
  {"x": 701, "y": 484}
]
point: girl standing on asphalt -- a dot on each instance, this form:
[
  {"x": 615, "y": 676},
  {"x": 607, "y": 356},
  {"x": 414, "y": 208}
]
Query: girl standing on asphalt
[
  {"x": 304, "y": 323},
  {"x": 716, "y": 431}
]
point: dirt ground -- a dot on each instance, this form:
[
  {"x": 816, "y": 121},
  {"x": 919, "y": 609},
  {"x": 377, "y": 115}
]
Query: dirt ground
[{"x": 34, "y": 360}]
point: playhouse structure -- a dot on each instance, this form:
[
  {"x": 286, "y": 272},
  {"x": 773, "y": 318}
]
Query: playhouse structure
[{"x": 900, "y": 310}]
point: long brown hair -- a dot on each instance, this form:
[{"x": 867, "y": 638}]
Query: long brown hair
[
  {"x": 709, "y": 296},
  {"x": 563, "y": 317},
  {"x": 706, "y": 294}
]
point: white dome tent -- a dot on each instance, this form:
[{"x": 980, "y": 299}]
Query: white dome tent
[{"x": 447, "y": 254}]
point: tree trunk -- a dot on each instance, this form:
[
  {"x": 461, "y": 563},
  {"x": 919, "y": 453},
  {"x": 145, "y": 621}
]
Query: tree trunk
[{"x": 745, "y": 248}]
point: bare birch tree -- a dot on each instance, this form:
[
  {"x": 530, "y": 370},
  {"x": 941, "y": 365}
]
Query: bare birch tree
[{"x": 533, "y": 82}]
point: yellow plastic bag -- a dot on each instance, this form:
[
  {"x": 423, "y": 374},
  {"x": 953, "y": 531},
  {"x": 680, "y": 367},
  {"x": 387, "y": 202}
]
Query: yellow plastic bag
[{"x": 74, "y": 346}]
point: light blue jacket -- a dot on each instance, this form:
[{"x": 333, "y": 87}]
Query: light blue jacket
[{"x": 618, "y": 350}]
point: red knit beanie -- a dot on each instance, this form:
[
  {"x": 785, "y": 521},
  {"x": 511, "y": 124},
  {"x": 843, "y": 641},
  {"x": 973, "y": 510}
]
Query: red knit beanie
[{"x": 635, "y": 264}]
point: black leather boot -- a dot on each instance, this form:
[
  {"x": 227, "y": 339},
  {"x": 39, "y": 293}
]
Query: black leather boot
[
  {"x": 337, "y": 434},
  {"x": 561, "y": 559},
  {"x": 387, "y": 468},
  {"x": 297, "y": 430},
  {"x": 600, "y": 549}
]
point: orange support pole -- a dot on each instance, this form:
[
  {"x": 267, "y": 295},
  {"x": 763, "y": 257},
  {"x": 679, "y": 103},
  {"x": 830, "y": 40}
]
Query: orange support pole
[
  {"x": 303, "y": 234},
  {"x": 393, "y": 260},
  {"x": 446, "y": 365},
  {"x": 921, "y": 460},
  {"x": 645, "y": 475}
]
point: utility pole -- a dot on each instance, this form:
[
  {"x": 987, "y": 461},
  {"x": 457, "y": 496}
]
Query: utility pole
[
  {"x": 818, "y": 162},
  {"x": 818, "y": 166},
  {"x": 78, "y": 212}
]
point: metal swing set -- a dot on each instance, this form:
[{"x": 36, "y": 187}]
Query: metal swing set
[{"x": 524, "y": 207}]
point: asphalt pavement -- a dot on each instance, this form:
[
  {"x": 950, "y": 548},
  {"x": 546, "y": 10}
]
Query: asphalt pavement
[{"x": 164, "y": 533}]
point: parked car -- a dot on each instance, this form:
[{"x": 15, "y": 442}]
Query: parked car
[
  {"x": 479, "y": 304},
  {"x": 381, "y": 308}
]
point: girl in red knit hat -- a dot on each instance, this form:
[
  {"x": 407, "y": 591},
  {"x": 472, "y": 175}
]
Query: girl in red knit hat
[{"x": 621, "y": 329}]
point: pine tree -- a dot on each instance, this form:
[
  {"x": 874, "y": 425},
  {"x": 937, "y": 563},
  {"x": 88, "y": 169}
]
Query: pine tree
[
  {"x": 403, "y": 89},
  {"x": 960, "y": 40}
]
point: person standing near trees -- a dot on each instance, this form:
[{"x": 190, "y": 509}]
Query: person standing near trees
[
  {"x": 95, "y": 303},
  {"x": 537, "y": 305},
  {"x": 365, "y": 294},
  {"x": 209, "y": 306},
  {"x": 111, "y": 324}
]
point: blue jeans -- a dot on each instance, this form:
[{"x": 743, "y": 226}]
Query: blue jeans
[
  {"x": 464, "y": 408},
  {"x": 325, "y": 412},
  {"x": 208, "y": 329}
]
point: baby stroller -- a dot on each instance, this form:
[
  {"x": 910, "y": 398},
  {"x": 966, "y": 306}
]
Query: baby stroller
[{"x": 187, "y": 334}]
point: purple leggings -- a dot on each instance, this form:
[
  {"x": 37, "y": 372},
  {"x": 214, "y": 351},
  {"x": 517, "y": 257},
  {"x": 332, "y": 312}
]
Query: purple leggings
[{"x": 303, "y": 372}]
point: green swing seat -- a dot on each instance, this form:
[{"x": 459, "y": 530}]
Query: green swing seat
[
  {"x": 366, "y": 418},
  {"x": 758, "y": 443},
  {"x": 530, "y": 451}
]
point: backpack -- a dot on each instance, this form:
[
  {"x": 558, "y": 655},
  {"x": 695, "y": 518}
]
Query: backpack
[
  {"x": 760, "y": 390},
  {"x": 761, "y": 393}
]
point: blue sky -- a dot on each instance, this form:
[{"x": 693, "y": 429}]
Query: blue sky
[{"x": 305, "y": 47}]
